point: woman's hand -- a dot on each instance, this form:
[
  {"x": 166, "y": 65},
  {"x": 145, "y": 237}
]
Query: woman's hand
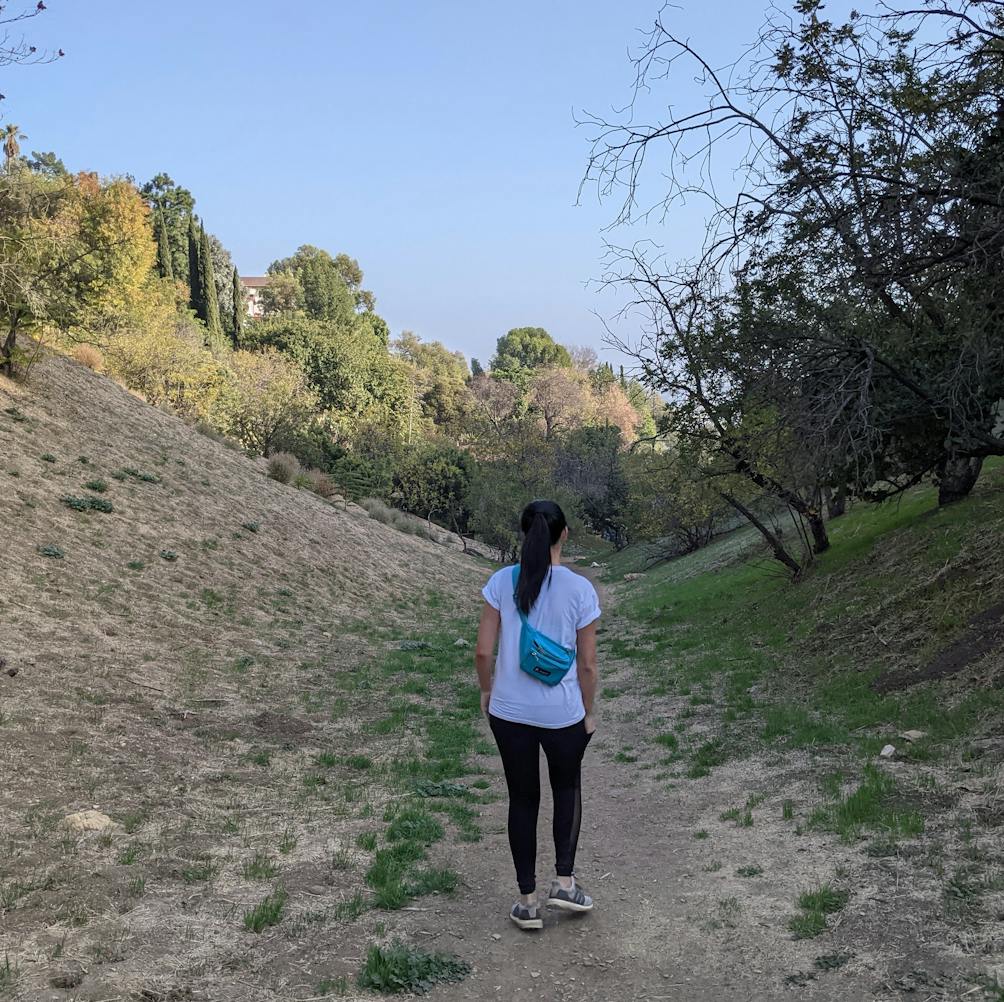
[
  {"x": 590, "y": 723},
  {"x": 485, "y": 700}
]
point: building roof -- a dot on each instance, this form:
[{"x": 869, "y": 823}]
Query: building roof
[{"x": 255, "y": 283}]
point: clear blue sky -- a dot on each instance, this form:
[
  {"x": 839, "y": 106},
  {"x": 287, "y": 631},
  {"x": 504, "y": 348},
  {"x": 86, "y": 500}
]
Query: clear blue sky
[{"x": 433, "y": 141}]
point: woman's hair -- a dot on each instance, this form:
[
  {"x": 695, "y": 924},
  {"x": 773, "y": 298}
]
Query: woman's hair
[{"x": 542, "y": 523}]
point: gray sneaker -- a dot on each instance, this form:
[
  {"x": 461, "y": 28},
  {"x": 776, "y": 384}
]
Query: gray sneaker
[
  {"x": 526, "y": 917},
  {"x": 575, "y": 900}
]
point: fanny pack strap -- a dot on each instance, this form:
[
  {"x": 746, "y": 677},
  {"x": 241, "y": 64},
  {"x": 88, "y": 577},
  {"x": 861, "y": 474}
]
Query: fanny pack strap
[{"x": 515, "y": 583}]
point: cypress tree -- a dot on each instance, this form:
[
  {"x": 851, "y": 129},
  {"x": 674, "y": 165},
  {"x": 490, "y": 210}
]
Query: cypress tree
[
  {"x": 195, "y": 271},
  {"x": 164, "y": 265},
  {"x": 239, "y": 308},
  {"x": 210, "y": 299}
]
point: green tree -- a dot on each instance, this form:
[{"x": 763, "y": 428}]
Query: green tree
[
  {"x": 165, "y": 266},
  {"x": 176, "y": 204},
  {"x": 440, "y": 379},
  {"x": 264, "y": 401},
  {"x": 239, "y": 308},
  {"x": 47, "y": 163},
  {"x": 207, "y": 283},
  {"x": 435, "y": 481},
  {"x": 283, "y": 296},
  {"x": 195, "y": 298},
  {"x": 524, "y": 349},
  {"x": 348, "y": 367},
  {"x": 326, "y": 296}
]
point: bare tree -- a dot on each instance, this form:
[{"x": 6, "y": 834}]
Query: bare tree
[{"x": 873, "y": 148}]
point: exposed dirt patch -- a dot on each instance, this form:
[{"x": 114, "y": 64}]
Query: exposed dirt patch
[{"x": 984, "y": 636}]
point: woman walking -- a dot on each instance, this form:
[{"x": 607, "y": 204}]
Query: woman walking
[{"x": 543, "y": 616}]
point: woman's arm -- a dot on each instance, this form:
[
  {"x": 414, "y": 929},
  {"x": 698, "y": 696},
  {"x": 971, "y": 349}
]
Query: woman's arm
[
  {"x": 488, "y": 632},
  {"x": 585, "y": 657}
]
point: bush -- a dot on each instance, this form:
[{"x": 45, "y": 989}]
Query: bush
[
  {"x": 399, "y": 968},
  {"x": 88, "y": 355},
  {"x": 302, "y": 481},
  {"x": 283, "y": 467},
  {"x": 321, "y": 484}
]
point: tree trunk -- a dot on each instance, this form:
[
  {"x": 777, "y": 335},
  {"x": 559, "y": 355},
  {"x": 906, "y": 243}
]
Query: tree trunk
[
  {"x": 7, "y": 352},
  {"x": 820, "y": 540},
  {"x": 957, "y": 476},
  {"x": 456, "y": 529},
  {"x": 773, "y": 539},
  {"x": 836, "y": 501}
]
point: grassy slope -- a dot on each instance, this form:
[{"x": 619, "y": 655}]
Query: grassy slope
[
  {"x": 744, "y": 668},
  {"x": 260, "y": 689},
  {"x": 898, "y": 584}
]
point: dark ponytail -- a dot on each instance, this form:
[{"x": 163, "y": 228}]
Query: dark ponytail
[{"x": 542, "y": 523}]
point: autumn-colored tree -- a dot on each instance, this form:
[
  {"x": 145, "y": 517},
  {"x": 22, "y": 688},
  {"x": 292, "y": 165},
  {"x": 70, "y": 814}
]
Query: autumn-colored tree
[
  {"x": 75, "y": 256},
  {"x": 561, "y": 398},
  {"x": 611, "y": 406}
]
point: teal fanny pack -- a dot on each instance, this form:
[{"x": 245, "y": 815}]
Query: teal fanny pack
[{"x": 541, "y": 657}]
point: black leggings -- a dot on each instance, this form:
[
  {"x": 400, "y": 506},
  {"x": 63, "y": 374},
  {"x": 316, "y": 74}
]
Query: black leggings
[{"x": 519, "y": 745}]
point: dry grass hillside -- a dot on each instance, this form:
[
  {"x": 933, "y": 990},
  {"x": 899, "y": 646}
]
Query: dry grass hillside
[{"x": 193, "y": 664}]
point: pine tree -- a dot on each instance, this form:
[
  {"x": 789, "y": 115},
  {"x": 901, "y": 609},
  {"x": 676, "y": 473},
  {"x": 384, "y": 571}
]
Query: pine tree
[
  {"x": 239, "y": 308},
  {"x": 164, "y": 265},
  {"x": 210, "y": 299},
  {"x": 195, "y": 271}
]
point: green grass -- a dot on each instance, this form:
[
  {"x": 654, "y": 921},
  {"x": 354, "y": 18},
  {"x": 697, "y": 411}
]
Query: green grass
[
  {"x": 414, "y": 824},
  {"x": 398, "y": 968},
  {"x": 875, "y": 804},
  {"x": 431, "y": 881},
  {"x": 259, "y": 867},
  {"x": 267, "y": 912},
  {"x": 814, "y": 906},
  {"x": 717, "y": 621}
]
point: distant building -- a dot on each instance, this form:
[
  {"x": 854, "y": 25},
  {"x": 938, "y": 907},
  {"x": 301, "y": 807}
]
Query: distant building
[{"x": 252, "y": 294}]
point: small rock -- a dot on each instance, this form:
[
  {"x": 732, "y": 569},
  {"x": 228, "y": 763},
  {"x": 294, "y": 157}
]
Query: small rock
[
  {"x": 888, "y": 751},
  {"x": 68, "y": 975},
  {"x": 913, "y": 736},
  {"x": 633, "y": 577},
  {"x": 535, "y": 974},
  {"x": 496, "y": 936},
  {"x": 460, "y": 642},
  {"x": 87, "y": 821},
  {"x": 12, "y": 672},
  {"x": 317, "y": 889}
]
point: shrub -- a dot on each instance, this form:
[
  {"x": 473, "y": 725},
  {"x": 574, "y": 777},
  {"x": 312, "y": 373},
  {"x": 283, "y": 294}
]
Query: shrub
[
  {"x": 88, "y": 355},
  {"x": 96, "y": 485},
  {"x": 87, "y": 503},
  {"x": 51, "y": 551},
  {"x": 283, "y": 467},
  {"x": 301, "y": 482},
  {"x": 400, "y": 968},
  {"x": 321, "y": 484}
]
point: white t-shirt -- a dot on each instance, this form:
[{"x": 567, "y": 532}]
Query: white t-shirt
[{"x": 567, "y": 602}]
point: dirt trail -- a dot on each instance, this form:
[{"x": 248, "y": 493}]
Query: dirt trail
[{"x": 658, "y": 931}]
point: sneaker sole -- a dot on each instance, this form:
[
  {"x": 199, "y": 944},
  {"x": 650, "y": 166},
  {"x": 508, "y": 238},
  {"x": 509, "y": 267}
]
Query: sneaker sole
[
  {"x": 537, "y": 923},
  {"x": 568, "y": 906}
]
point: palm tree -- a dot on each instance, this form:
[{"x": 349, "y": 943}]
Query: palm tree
[{"x": 11, "y": 148}]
